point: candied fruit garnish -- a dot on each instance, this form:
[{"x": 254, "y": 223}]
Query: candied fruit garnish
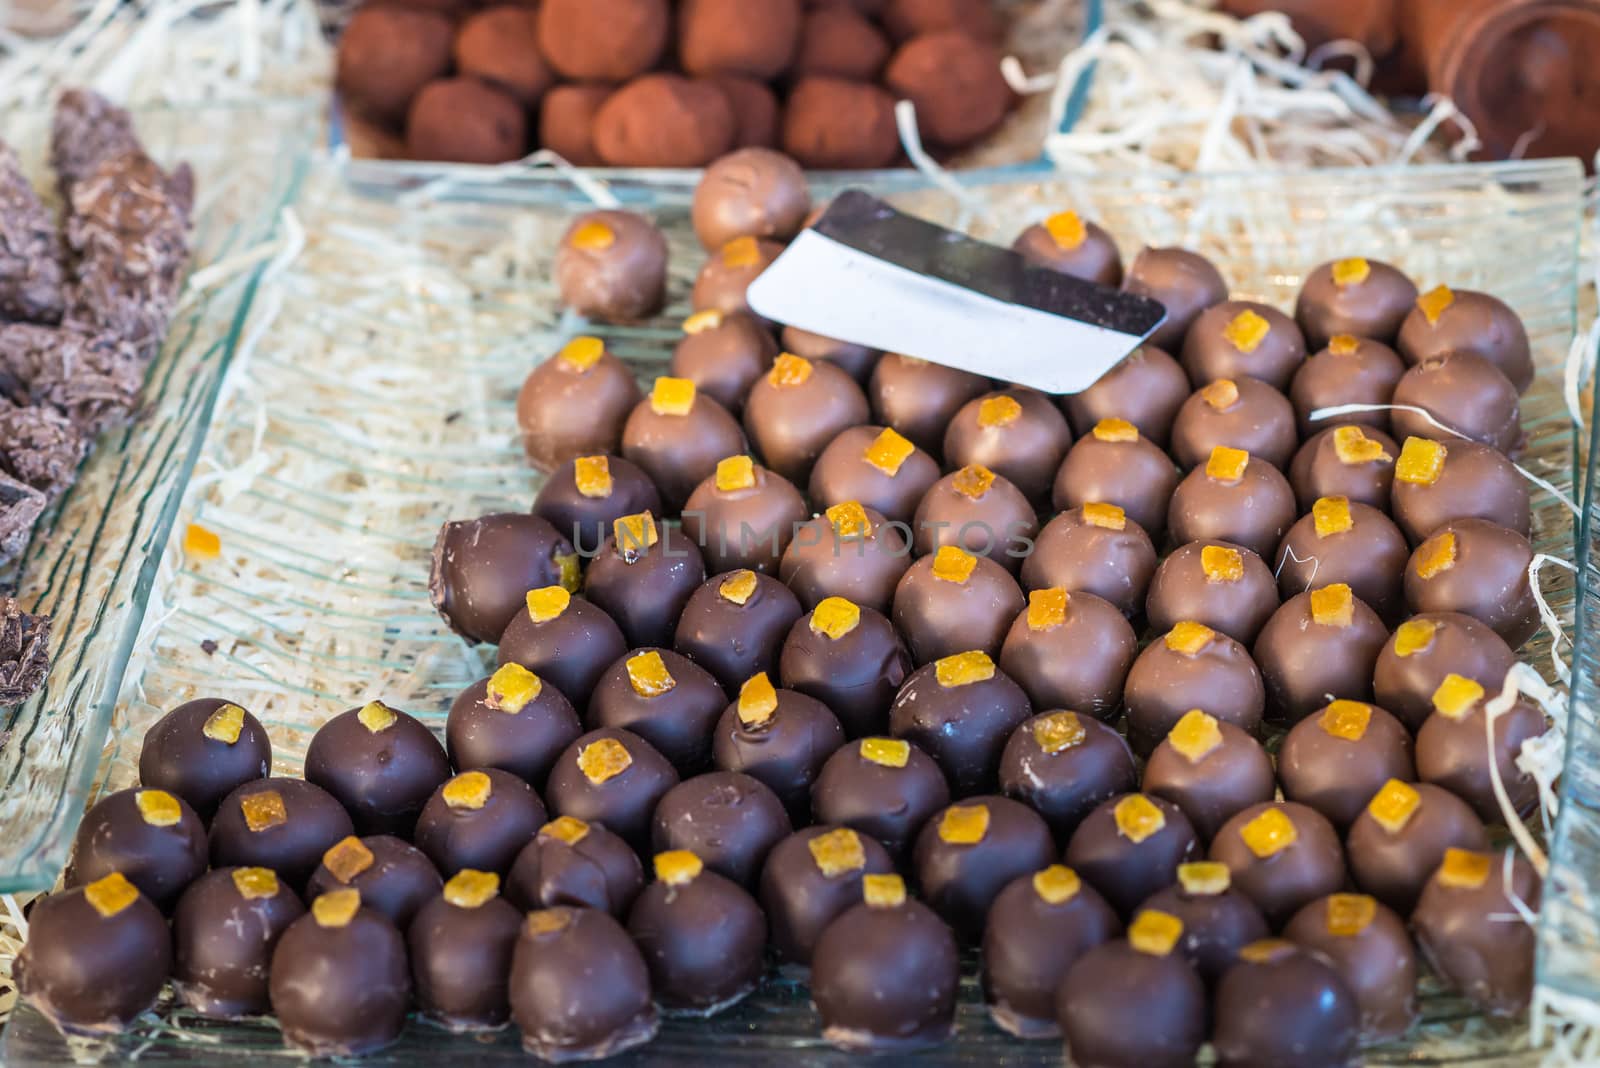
[
  {"x": 963, "y": 669},
  {"x": 953, "y": 564},
  {"x": 1056, "y": 884},
  {"x": 547, "y": 603},
  {"x": 201, "y": 542},
  {"x": 1138, "y": 817},
  {"x": 263, "y": 810},
  {"x": 376, "y": 716},
  {"x": 1421, "y": 461},
  {"x": 1333, "y": 606},
  {"x": 1108, "y": 516},
  {"x": 1331, "y": 515},
  {"x": 1346, "y": 719},
  {"x": 1464, "y": 869},
  {"x": 224, "y": 725},
  {"x": 1189, "y": 638},
  {"x": 1047, "y": 608},
  {"x": 838, "y": 852},
  {"x": 111, "y": 894},
  {"x": 1266, "y": 950},
  {"x": 1434, "y": 302},
  {"x": 347, "y": 858},
  {"x": 1437, "y": 554},
  {"x": 469, "y": 889},
  {"x": 255, "y": 883},
  {"x": 672, "y": 396},
  {"x": 1350, "y": 914},
  {"x": 789, "y": 370},
  {"x": 158, "y": 808},
  {"x": 511, "y": 687},
  {"x": 1393, "y": 805},
  {"x": 1221, "y": 394},
  {"x": 470, "y": 789},
  {"x": 1351, "y": 271},
  {"x": 1344, "y": 345},
  {"x": 964, "y": 824},
  {"x": 1456, "y": 696},
  {"x": 737, "y": 586},
  {"x": 1066, "y": 229},
  {"x": 1113, "y": 429},
  {"x": 592, "y": 475},
  {"x": 571, "y": 570},
  {"x": 548, "y": 921},
  {"x": 634, "y": 535},
  {"x": 582, "y": 353},
  {"x": 701, "y": 321},
  {"x": 677, "y": 866},
  {"x": 336, "y": 908},
  {"x": 835, "y": 617},
  {"x": 1001, "y": 410},
  {"x": 1195, "y": 734},
  {"x": 888, "y": 451},
  {"x": 758, "y": 701},
  {"x": 1269, "y": 833},
  {"x": 1056, "y": 731},
  {"x": 1247, "y": 330},
  {"x": 1227, "y": 464},
  {"x": 1155, "y": 932},
  {"x": 1204, "y": 877},
  {"x": 568, "y": 829},
  {"x": 886, "y": 752},
  {"x": 735, "y": 473},
  {"x": 1413, "y": 636},
  {"x": 741, "y": 252},
  {"x": 648, "y": 674},
  {"x": 592, "y": 235},
  {"x": 972, "y": 481},
  {"x": 883, "y": 891},
  {"x": 1221, "y": 563},
  {"x": 602, "y": 759},
  {"x": 1352, "y": 447},
  {"x": 850, "y": 520}
]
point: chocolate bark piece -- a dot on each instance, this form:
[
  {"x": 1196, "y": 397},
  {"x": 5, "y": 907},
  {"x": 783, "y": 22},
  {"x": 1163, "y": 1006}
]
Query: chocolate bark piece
[{"x": 31, "y": 277}]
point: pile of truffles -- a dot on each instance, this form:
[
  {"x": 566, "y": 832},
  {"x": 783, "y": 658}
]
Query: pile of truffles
[{"x": 651, "y": 83}]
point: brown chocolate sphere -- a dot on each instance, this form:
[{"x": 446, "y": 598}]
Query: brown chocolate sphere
[
  {"x": 579, "y": 987},
  {"x": 575, "y": 404},
  {"x": 500, "y": 46},
  {"x": 1354, "y": 296},
  {"x": 664, "y": 120},
  {"x": 483, "y": 569},
  {"x": 202, "y": 751},
  {"x": 380, "y": 764},
  {"x": 1227, "y": 588},
  {"x": 728, "y": 819},
  {"x": 1242, "y": 413},
  {"x": 603, "y": 41},
  {"x": 833, "y": 124},
  {"x": 1477, "y": 568},
  {"x": 566, "y": 122},
  {"x": 480, "y": 819},
  {"x": 1191, "y": 666},
  {"x": 1070, "y": 650},
  {"x": 1463, "y": 391},
  {"x": 1443, "y": 322},
  {"x": 1147, "y": 388},
  {"x": 1437, "y": 482},
  {"x": 565, "y": 640},
  {"x": 875, "y": 466},
  {"x": 1283, "y": 1005},
  {"x": 512, "y": 720},
  {"x": 1337, "y": 758},
  {"x": 1453, "y": 749},
  {"x": 150, "y": 837},
  {"x": 1353, "y": 462},
  {"x": 735, "y": 624},
  {"x": 1345, "y": 541},
  {"x": 1319, "y": 645},
  {"x": 612, "y": 266},
  {"x": 1132, "y": 1003},
  {"x": 857, "y": 361},
  {"x": 955, "y": 83},
  {"x": 755, "y": 110},
  {"x": 953, "y": 601},
  {"x": 967, "y": 853},
  {"x": 666, "y": 699},
  {"x": 921, "y": 399},
  {"x": 1462, "y": 929},
  {"x": 837, "y": 42},
  {"x": 1218, "y": 920},
  {"x": 979, "y": 511},
  {"x": 810, "y": 878},
  {"x": 1116, "y": 464},
  {"x": 1233, "y": 497},
  {"x": 1074, "y": 246},
  {"x": 1401, "y": 837},
  {"x": 1186, "y": 284},
  {"x": 1094, "y": 549},
  {"x": 1370, "y": 948},
  {"x": 960, "y": 710},
  {"x": 1062, "y": 765},
  {"x": 743, "y": 517},
  {"x": 643, "y": 576},
  {"x": 1350, "y": 370},
  {"x": 1209, "y": 769},
  {"x": 886, "y": 788},
  {"x": 724, "y": 355},
  {"x": 1426, "y": 648},
  {"x": 678, "y": 435},
  {"x": 850, "y": 659},
  {"x": 850, "y": 552},
  {"x": 796, "y": 409},
  {"x": 905, "y": 19},
  {"x": 1131, "y": 846},
  {"x": 1018, "y": 433},
  {"x": 1282, "y": 855},
  {"x": 464, "y": 120},
  {"x": 585, "y": 495},
  {"x": 1243, "y": 339},
  {"x": 778, "y": 737},
  {"x": 726, "y": 276},
  {"x": 737, "y": 37},
  {"x": 614, "y": 778},
  {"x": 386, "y": 55},
  {"x": 752, "y": 192}
]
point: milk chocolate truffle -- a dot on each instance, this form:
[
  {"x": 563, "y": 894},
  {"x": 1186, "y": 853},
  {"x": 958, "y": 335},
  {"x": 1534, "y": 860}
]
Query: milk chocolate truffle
[
  {"x": 753, "y": 192},
  {"x": 1135, "y": 1002},
  {"x": 575, "y": 404},
  {"x": 1244, "y": 413},
  {"x": 340, "y": 984},
  {"x": 723, "y": 281},
  {"x": 921, "y": 399},
  {"x": 664, "y": 120},
  {"x": 513, "y": 720},
  {"x": 282, "y": 824},
  {"x": 857, "y": 361},
  {"x": 1116, "y": 464},
  {"x": 1186, "y": 284},
  {"x": 386, "y": 55},
  {"x": 580, "y": 989},
  {"x": 1437, "y": 482},
  {"x": 1074, "y": 246},
  {"x": 1349, "y": 542},
  {"x": 743, "y": 516},
  {"x": 566, "y": 122},
  {"x": 1233, "y": 497},
  {"x": 1354, "y": 296},
  {"x": 735, "y": 624},
  {"x": 834, "y": 124},
  {"x": 464, "y": 120},
  {"x": 1070, "y": 650},
  {"x": 583, "y": 496},
  {"x": 727, "y": 819},
  {"x": 149, "y": 836},
  {"x": 1464, "y": 927},
  {"x": 1350, "y": 370},
  {"x": 1477, "y": 568},
  {"x": 500, "y": 46},
  {"x": 954, "y": 601},
  {"x": 202, "y": 751},
  {"x": 604, "y": 41},
  {"x": 1402, "y": 836},
  {"x": 613, "y": 777},
  {"x": 961, "y": 711},
  {"x": 849, "y": 658},
  {"x": 849, "y": 552},
  {"x": 701, "y": 935},
  {"x": 979, "y": 511},
  {"x": 954, "y": 81},
  {"x": 809, "y": 879},
  {"x": 723, "y": 355},
  {"x": 1370, "y": 948},
  {"x": 1146, "y": 389},
  {"x": 1062, "y": 765},
  {"x": 1094, "y": 548},
  {"x": 577, "y": 863},
  {"x": 1130, "y": 846},
  {"x": 564, "y": 640},
  {"x": 380, "y": 764},
  {"x": 1335, "y": 760},
  {"x": 875, "y": 466},
  {"x": 1462, "y": 391},
  {"x": 779, "y": 737},
  {"x": 1217, "y": 919},
  {"x": 796, "y": 409},
  {"x": 1228, "y": 588},
  {"x": 1445, "y": 322},
  {"x": 1453, "y": 748},
  {"x": 1018, "y": 433},
  {"x": 483, "y": 568},
  {"x": 837, "y": 42},
  {"x": 1356, "y": 463},
  {"x": 664, "y": 698},
  {"x": 1317, "y": 646},
  {"x": 1424, "y": 650},
  {"x": 1209, "y": 769},
  {"x": 968, "y": 852},
  {"x": 394, "y": 877},
  {"x": 1188, "y": 667},
  {"x": 755, "y": 110},
  {"x": 1281, "y": 1004},
  {"x": 480, "y": 819},
  {"x": 1240, "y": 339},
  {"x": 460, "y": 947},
  {"x": 886, "y": 788},
  {"x": 96, "y": 957},
  {"x": 905, "y": 19},
  {"x": 223, "y": 933},
  {"x": 677, "y": 435},
  {"x": 643, "y": 576},
  {"x": 1281, "y": 855}
]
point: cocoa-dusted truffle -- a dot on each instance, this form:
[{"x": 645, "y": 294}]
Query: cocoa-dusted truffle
[
  {"x": 1243, "y": 339},
  {"x": 752, "y": 192},
  {"x": 586, "y": 494},
  {"x": 381, "y": 764},
  {"x": 834, "y": 124},
  {"x": 566, "y": 122},
  {"x": 1218, "y": 920},
  {"x": 483, "y": 568},
  {"x": 1445, "y": 321},
  {"x": 677, "y": 435},
  {"x": 724, "y": 355},
  {"x": 575, "y": 403},
  {"x": 1350, "y": 370},
  {"x": 1070, "y": 650},
  {"x": 1349, "y": 542},
  {"x": 810, "y": 878},
  {"x": 1209, "y": 769},
  {"x": 954, "y": 601},
  {"x": 886, "y": 788},
  {"x": 727, "y": 819},
  {"x": 1146, "y": 389},
  {"x": 1464, "y": 927},
  {"x": 1226, "y": 587},
  {"x": 724, "y": 280},
  {"x": 1424, "y": 650},
  {"x": 577, "y": 863},
  {"x": 664, "y": 120},
  {"x": 386, "y": 55},
  {"x": 1318, "y": 645},
  {"x": 500, "y": 45},
  {"x": 202, "y": 751},
  {"x": 1353, "y": 462},
  {"x": 849, "y": 658},
  {"x": 875, "y": 466},
  {"x": 1465, "y": 393},
  {"x": 513, "y": 720},
  {"x": 282, "y": 824},
  {"x": 700, "y": 933},
  {"x": 905, "y": 19},
  {"x": 836, "y": 41},
  {"x": 979, "y": 511},
  {"x": 857, "y": 361},
  {"x": 460, "y": 947},
  {"x": 1281, "y": 1004},
  {"x": 1094, "y": 548},
  {"x": 340, "y": 984},
  {"x": 1116, "y": 464},
  {"x": 643, "y": 576},
  {"x": 394, "y": 877},
  {"x": 1191, "y": 666},
  {"x": 961, "y": 711},
  {"x": 480, "y": 819},
  {"x": 1370, "y": 948},
  {"x": 796, "y": 409},
  {"x": 464, "y": 120},
  {"x": 921, "y": 399},
  {"x": 1186, "y": 284},
  {"x": 967, "y": 853},
  {"x": 1130, "y": 846},
  {"x": 733, "y": 37},
  {"x": 223, "y": 933},
  {"x": 1244, "y": 413},
  {"x": 607, "y": 41},
  {"x": 580, "y": 989},
  {"x": 1436, "y": 482},
  {"x": 954, "y": 81},
  {"x": 149, "y": 836},
  {"x": 1062, "y": 765},
  {"x": 850, "y": 552},
  {"x": 779, "y": 737},
  {"x": 1354, "y": 296},
  {"x": 735, "y": 624},
  {"x": 1281, "y": 855},
  {"x": 1335, "y": 759},
  {"x": 1480, "y": 569},
  {"x": 664, "y": 698},
  {"x": 613, "y": 777},
  {"x": 755, "y": 110},
  {"x": 1018, "y": 433},
  {"x": 1454, "y": 751},
  {"x": 1074, "y": 246},
  {"x": 1401, "y": 837},
  {"x": 564, "y": 640},
  {"x": 743, "y": 516},
  {"x": 1233, "y": 497}
]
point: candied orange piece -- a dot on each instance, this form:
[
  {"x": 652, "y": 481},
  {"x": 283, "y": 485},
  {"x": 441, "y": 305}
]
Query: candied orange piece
[
  {"x": 1138, "y": 817},
  {"x": 592, "y": 476},
  {"x": 964, "y": 824},
  {"x": 1066, "y": 229},
  {"x": 735, "y": 473},
  {"x": 838, "y": 852},
  {"x": 568, "y": 829},
  {"x": 470, "y": 789},
  {"x": 1434, "y": 302},
  {"x": 1056, "y": 731},
  {"x": 469, "y": 889},
  {"x": 1333, "y": 606},
  {"x": 1464, "y": 869},
  {"x": 835, "y": 617},
  {"x": 1350, "y": 914},
  {"x": 603, "y": 759},
  {"x": 741, "y": 252},
  {"x": 997, "y": 411},
  {"x": 1353, "y": 447},
  {"x": 336, "y": 908},
  {"x": 1346, "y": 719},
  {"x": 1344, "y": 345},
  {"x": 1047, "y": 608},
  {"x": 201, "y": 542},
  {"x": 1108, "y": 516},
  {"x": 158, "y": 808},
  {"x": 547, "y": 603},
  {"x": 701, "y": 321},
  {"x": 1436, "y": 555},
  {"x": 1413, "y": 636},
  {"x": 511, "y": 687},
  {"x": 1221, "y": 564},
  {"x": 1189, "y": 638},
  {"x": 1115, "y": 430},
  {"x": 672, "y": 396},
  {"x": 592, "y": 235},
  {"x": 1247, "y": 330},
  {"x": 634, "y": 535},
  {"x": 255, "y": 883},
  {"x": 111, "y": 894},
  {"x": 1266, "y": 950},
  {"x": 1331, "y": 515},
  {"x": 224, "y": 725},
  {"x": 883, "y": 891},
  {"x": 886, "y": 752},
  {"x": 1221, "y": 394},
  {"x": 758, "y": 701},
  {"x": 1394, "y": 804},
  {"x": 1204, "y": 877},
  {"x": 789, "y": 370},
  {"x": 850, "y": 520},
  {"x": 263, "y": 810},
  {"x": 972, "y": 481},
  {"x": 1056, "y": 884},
  {"x": 952, "y": 564},
  {"x": 738, "y": 586},
  {"x": 963, "y": 669},
  {"x": 376, "y": 716},
  {"x": 1351, "y": 271},
  {"x": 1227, "y": 464},
  {"x": 1154, "y": 932},
  {"x": 648, "y": 674},
  {"x": 1421, "y": 461},
  {"x": 1270, "y": 833},
  {"x": 888, "y": 451},
  {"x": 548, "y": 922},
  {"x": 347, "y": 858},
  {"x": 1195, "y": 734},
  {"x": 678, "y": 866},
  {"x": 1456, "y": 696},
  {"x": 582, "y": 353}
]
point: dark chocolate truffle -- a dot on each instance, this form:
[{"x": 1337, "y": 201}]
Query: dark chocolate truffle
[
  {"x": 779, "y": 737},
  {"x": 1401, "y": 837},
  {"x": 202, "y": 751},
  {"x": 586, "y": 494},
  {"x": 1240, "y": 339},
  {"x": 380, "y": 764},
  {"x": 223, "y": 933},
  {"x": 837, "y": 42},
  {"x": 753, "y": 192},
  {"x": 1317, "y": 646},
  {"x": 727, "y": 819},
  {"x": 1129, "y": 847},
  {"x": 340, "y": 984},
  {"x": 604, "y": 41},
  {"x": 967, "y": 853},
  {"x": 1146, "y": 389},
  {"x": 1233, "y": 497},
  {"x": 511, "y": 720},
  {"x": 664, "y": 120},
  {"x": 480, "y": 819},
  {"x": 1479, "y": 569},
  {"x": 1350, "y": 370},
  {"x": 1062, "y": 765},
  {"x": 955, "y": 83},
  {"x": 979, "y": 511},
  {"x": 960, "y": 710},
  {"x": 394, "y": 877},
  {"x": 386, "y": 55},
  {"x": 1209, "y": 769},
  {"x": 1070, "y": 650},
  {"x": 151, "y": 837},
  {"x": 564, "y": 640},
  {"x": 612, "y": 266},
  {"x": 850, "y": 659},
  {"x": 1186, "y": 284},
  {"x": 1336, "y": 759},
  {"x": 723, "y": 355},
  {"x": 464, "y": 120},
  {"x": 580, "y": 989},
  {"x": 1463, "y": 392},
  {"x": 1369, "y": 947},
  {"x": 734, "y": 37},
  {"x": 574, "y": 404},
  {"x": 576, "y": 863},
  {"x": 566, "y": 122},
  {"x": 907, "y": 18},
  {"x": 460, "y": 946},
  {"x": 643, "y": 576},
  {"x": 1356, "y": 463},
  {"x": 1094, "y": 548},
  {"x": 483, "y": 569},
  {"x": 1018, "y": 433},
  {"x": 1244, "y": 413},
  {"x": 1281, "y": 1004},
  {"x": 796, "y": 409},
  {"x": 834, "y": 124},
  {"x": 848, "y": 552},
  {"x": 282, "y": 824},
  {"x": 1453, "y": 748},
  {"x": 1191, "y": 666},
  {"x": 810, "y": 878},
  {"x": 499, "y": 45},
  {"x": 1444, "y": 322},
  {"x": 664, "y": 698},
  {"x": 1281, "y": 855},
  {"x": 1424, "y": 650},
  {"x": 1437, "y": 482},
  {"x": 1114, "y": 463},
  {"x": 875, "y": 466},
  {"x": 743, "y": 516},
  {"x": 921, "y": 399},
  {"x": 1074, "y": 246},
  {"x": 953, "y": 601},
  {"x": 857, "y": 361},
  {"x": 885, "y": 788},
  {"x": 1135, "y": 1002},
  {"x": 1366, "y": 298},
  {"x": 612, "y": 777},
  {"x": 1349, "y": 542},
  {"x": 735, "y": 624},
  {"x": 1470, "y": 928},
  {"x": 701, "y": 935},
  {"x": 678, "y": 435},
  {"x": 1218, "y": 920},
  {"x": 724, "y": 280},
  {"x": 1226, "y": 587}
]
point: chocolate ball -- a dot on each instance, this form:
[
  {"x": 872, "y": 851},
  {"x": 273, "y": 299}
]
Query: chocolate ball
[
  {"x": 340, "y": 984},
  {"x": 979, "y": 511},
  {"x": 583, "y": 496},
  {"x": 733, "y": 37},
  {"x": 282, "y": 824},
  {"x": 834, "y": 124},
  {"x": 463, "y": 120},
  {"x": 580, "y": 989},
  {"x": 677, "y": 435},
  {"x": 857, "y": 361},
  {"x": 1319, "y": 645},
  {"x": 666, "y": 699},
  {"x": 1134, "y": 1002},
  {"x": 724, "y": 355},
  {"x": 1281, "y": 855},
  {"x": 1370, "y": 948},
  {"x": 1349, "y": 542},
  {"x": 724, "y": 280},
  {"x": 735, "y": 624},
  {"x": 576, "y": 863},
  {"x": 1218, "y": 920},
  {"x": 149, "y": 836},
  {"x": 612, "y": 777},
  {"x": 1114, "y": 463},
  {"x": 779, "y": 737},
  {"x": 1074, "y": 246},
  {"x": 953, "y": 601},
  {"x": 1130, "y": 846},
  {"x": 564, "y": 640},
  {"x": 1444, "y": 322},
  {"x": 1018, "y": 433},
  {"x": 1424, "y": 650},
  {"x": 886, "y": 788},
  {"x": 460, "y": 947},
  {"x": 1477, "y": 568},
  {"x": 1356, "y": 463},
  {"x": 664, "y": 120},
  {"x": 202, "y": 751},
  {"x": 1463, "y": 928},
  {"x": 848, "y": 552},
  {"x": 921, "y": 399},
  {"x": 499, "y": 45},
  {"x": 642, "y": 578},
  {"x": 1209, "y": 769},
  {"x": 1146, "y": 389},
  {"x": 795, "y": 410},
  {"x": 743, "y": 516},
  {"x": 480, "y": 819},
  {"x": 1242, "y": 413},
  {"x": 809, "y": 879},
  {"x": 755, "y": 110},
  {"x": 1243, "y": 339},
  {"x": 1402, "y": 836},
  {"x": 1335, "y": 760},
  {"x": 905, "y": 19},
  {"x": 728, "y": 819},
  {"x": 566, "y": 122},
  {"x": 849, "y": 658},
  {"x": 961, "y": 711},
  {"x": 1096, "y": 549},
  {"x": 223, "y": 933},
  {"x": 606, "y": 41},
  {"x": 1350, "y": 370},
  {"x": 1184, "y": 282},
  {"x": 968, "y": 852},
  {"x": 575, "y": 403},
  {"x": 1282, "y": 1005},
  {"x": 837, "y": 42},
  {"x": 512, "y": 720},
  {"x": 955, "y": 83},
  {"x": 483, "y": 569},
  {"x": 386, "y": 55},
  {"x": 1224, "y": 586},
  {"x": 1354, "y": 296},
  {"x": 1188, "y": 667},
  {"x": 1062, "y": 765},
  {"x": 380, "y": 764},
  {"x": 392, "y": 876},
  {"x": 1070, "y": 650},
  {"x": 752, "y": 192},
  {"x": 1465, "y": 393},
  {"x": 1437, "y": 482},
  {"x": 1453, "y": 749},
  {"x": 1233, "y": 497},
  {"x": 701, "y": 936}
]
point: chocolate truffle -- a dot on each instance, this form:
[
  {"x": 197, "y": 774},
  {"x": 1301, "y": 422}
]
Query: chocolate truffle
[
  {"x": 151, "y": 837},
  {"x": 1062, "y": 765},
  {"x": 755, "y": 110},
  {"x": 1070, "y": 650},
  {"x": 1336, "y": 759},
  {"x": 954, "y": 81},
  {"x": 1351, "y": 370},
  {"x": 1074, "y": 246},
  {"x": 580, "y": 989},
  {"x": 921, "y": 399},
  {"x": 727, "y": 819},
  {"x": 735, "y": 624},
  {"x": 1317, "y": 646},
  {"x": 1479, "y": 569},
  {"x": 796, "y": 409},
  {"x": 907, "y": 18},
  {"x": 1209, "y": 769},
  {"x": 860, "y": 968},
  {"x": 1146, "y": 389},
  {"x": 1281, "y": 1004},
  {"x": 1437, "y": 482},
  {"x": 1186, "y": 284},
  {"x": 1356, "y": 463},
  {"x": 1218, "y": 920},
  {"x": 1226, "y": 587},
  {"x": 1424, "y": 650},
  {"x": 394, "y": 877},
  {"x": 643, "y": 576},
  {"x": 885, "y": 788},
  {"x": 664, "y": 120},
  {"x": 511, "y": 720},
  {"x": 1366, "y": 298},
  {"x": 586, "y": 494},
  {"x": 96, "y": 957},
  {"x": 460, "y": 947},
  {"x": 464, "y": 120},
  {"x": 223, "y": 933},
  {"x": 850, "y": 659},
  {"x": 723, "y": 281},
  {"x": 960, "y": 710},
  {"x": 612, "y": 777},
  {"x": 779, "y": 737},
  {"x": 1281, "y": 855},
  {"x": 967, "y": 853},
  {"x": 1244, "y": 413},
  {"x": 576, "y": 863},
  {"x": 604, "y": 41},
  {"x": 809, "y": 879},
  {"x": 575, "y": 404},
  {"x": 743, "y": 516},
  {"x": 386, "y": 55},
  {"x": 664, "y": 698},
  {"x": 1369, "y": 947},
  {"x": 979, "y": 511},
  {"x": 1135, "y": 1002},
  {"x": 848, "y": 552},
  {"x": 1240, "y": 339},
  {"x": 723, "y": 355},
  {"x": 1114, "y": 463},
  {"x": 834, "y": 124},
  {"x": 953, "y": 601},
  {"x": 340, "y": 984},
  {"x": 1038, "y": 927},
  {"x": 380, "y": 764},
  {"x": 1453, "y": 748},
  {"x": 837, "y": 42},
  {"x": 1445, "y": 322},
  {"x": 1094, "y": 548},
  {"x": 499, "y": 45},
  {"x": 566, "y": 122},
  {"x": 483, "y": 569},
  {"x": 677, "y": 435},
  {"x": 1191, "y": 666},
  {"x": 1401, "y": 837},
  {"x": 282, "y": 824},
  {"x": 1130, "y": 846},
  {"x": 480, "y": 819},
  {"x": 202, "y": 751},
  {"x": 1233, "y": 497},
  {"x": 875, "y": 466},
  {"x": 1018, "y": 433},
  {"x": 733, "y": 37},
  {"x": 701, "y": 935},
  {"x": 1465, "y": 393},
  {"x": 564, "y": 640},
  {"x": 753, "y": 192},
  {"x": 857, "y": 361},
  {"x": 1349, "y": 542},
  {"x": 1471, "y": 932}
]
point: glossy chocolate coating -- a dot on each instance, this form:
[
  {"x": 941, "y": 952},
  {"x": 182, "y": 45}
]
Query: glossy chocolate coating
[
  {"x": 1259, "y": 420},
  {"x": 460, "y": 958},
  {"x": 570, "y": 652},
  {"x": 785, "y": 751},
  {"x": 1455, "y": 754},
  {"x": 1305, "y": 663},
  {"x": 624, "y": 281},
  {"x": 1209, "y": 353},
  {"x": 1371, "y": 308},
  {"x": 483, "y": 569},
  {"x": 580, "y": 989},
  {"x": 1475, "y": 323},
  {"x": 381, "y": 776},
  {"x": 487, "y": 838},
  {"x": 802, "y": 897},
  {"x": 1078, "y": 555},
  {"x": 961, "y": 879},
  {"x": 341, "y": 991},
  {"x": 1290, "y": 1008},
  {"x": 179, "y": 757},
  {"x": 1377, "y": 962},
  {"x": 565, "y": 411},
  {"x": 727, "y": 819},
  {"x": 1123, "y": 870},
  {"x": 1079, "y": 663},
  {"x": 843, "y": 473},
  {"x": 1458, "y": 645},
  {"x": 1255, "y": 512},
  {"x": 1394, "y": 867},
  {"x": 582, "y": 867},
  {"x": 1120, "y": 1008},
  {"x": 702, "y": 940},
  {"x": 940, "y": 618},
  {"x": 1025, "y": 444},
  {"x": 1370, "y": 557},
  {"x": 398, "y": 882},
  {"x": 1094, "y": 259},
  {"x": 1065, "y": 784},
  {"x": 999, "y": 523},
  {"x": 1365, "y": 373},
  {"x": 857, "y": 361},
  {"x": 1136, "y": 476},
  {"x": 293, "y": 848},
  {"x": 1476, "y": 482},
  {"x": 1337, "y": 775},
  {"x": 734, "y": 641},
  {"x": 727, "y": 274},
  {"x": 856, "y": 675},
  {"x": 920, "y": 399},
  {"x": 1164, "y": 683},
  {"x": 1215, "y": 925},
  {"x": 1238, "y": 607},
  {"x": 222, "y": 943},
  {"x": 524, "y": 741},
  {"x": 679, "y": 452},
  {"x": 1485, "y": 577},
  {"x": 586, "y": 521},
  {"x": 790, "y": 424},
  {"x": 751, "y": 192},
  {"x": 747, "y": 527},
  {"x": 883, "y": 802},
  {"x": 963, "y": 727},
  {"x": 819, "y": 563},
  {"x": 1029, "y": 943},
  {"x": 1310, "y": 865},
  {"x": 1464, "y": 935},
  {"x": 1147, "y": 388},
  {"x": 158, "y": 857},
  {"x": 676, "y": 722},
  {"x": 724, "y": 359},
  {"x": 644, "y": 590},
  {"x": 1234, "y": 775},
  {"x": 1463, "y": 391},
  {"x": 1186, "y": 284},
  {"x": 1318, "y": 471}
]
